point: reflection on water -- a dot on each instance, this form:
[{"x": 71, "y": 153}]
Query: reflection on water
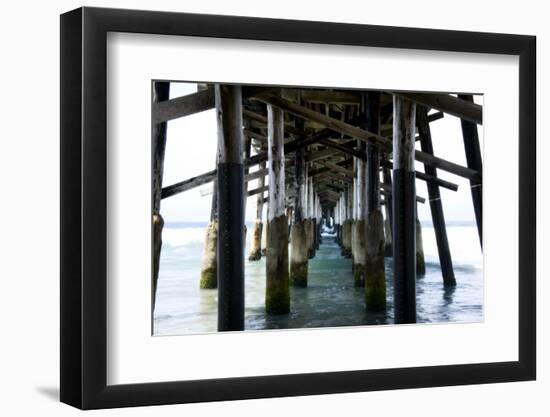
[{"x": 330, "y": 299}]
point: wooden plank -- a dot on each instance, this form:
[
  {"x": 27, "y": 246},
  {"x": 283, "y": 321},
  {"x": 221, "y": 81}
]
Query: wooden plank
[{"x": 464, "y": 109}]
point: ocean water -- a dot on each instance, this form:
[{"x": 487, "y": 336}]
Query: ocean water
[{"x": 330, "y": 300}]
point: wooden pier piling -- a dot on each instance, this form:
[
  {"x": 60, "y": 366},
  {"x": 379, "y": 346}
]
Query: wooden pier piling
[
  {"x": 230, "y": 208},
  {"x": 386, "y": 175},
  {"x": 473, "y": 160},
  {"x": 310, "y": 219},
  {"x": 436, "y": 205},
  {"x": 277, "y": 299},
  {"x": 161, "y": 92},
  {"x": 338, "y": 222},
  {"x": 420, "y": 261},
  {"x": 299, "y": 244},
  {"x": 347, "y": 224},
  {"x": 336, "y": 153},
  {"x": 265, "y": 230},
  {"x": 375, "y": 273},
  {"x": 359, "y": 233},
  {"x": 209, "y": 267},
  {"x": 404, "y": 211},
  {"x": 256, "y": 246},
  {"x": 354, "y": 223}
]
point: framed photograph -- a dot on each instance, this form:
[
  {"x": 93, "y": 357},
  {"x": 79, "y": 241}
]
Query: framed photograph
[{"x": 256, "y": 208}]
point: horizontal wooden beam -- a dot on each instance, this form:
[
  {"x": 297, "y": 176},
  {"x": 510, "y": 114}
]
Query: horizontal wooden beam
[
  {"x": 257, "y": 191},
  {"x": 448, "y": 104},
  {"x": 329, "y": 96},
  {"x": 324, "y": 153},
  {"x": 387, "y": 189},
  {"x": 248, "y": 178},
  {"x": 425, "y": 177},
  {"x": 254, "y": 135},
  {"x": 183, "y": 106},
  {"x": 344, "y": 149},
  {"x": 436, "y": 116},
  {"x": 256, "y": 174},
  {"x": 363, "y": 135},
  {"x": 263, "y": 119},
  {"x": 200, "y": 101},
  {"x": 188, "y": 184}
]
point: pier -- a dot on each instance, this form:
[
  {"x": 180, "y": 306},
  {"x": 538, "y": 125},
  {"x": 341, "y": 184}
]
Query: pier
[{"x": 322, "y": 159}]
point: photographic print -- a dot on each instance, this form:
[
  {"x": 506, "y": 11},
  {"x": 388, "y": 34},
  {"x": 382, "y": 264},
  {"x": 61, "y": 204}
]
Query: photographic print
[
  {"x": 324, "y": 187},
  {"x": 319, "y": 169}
]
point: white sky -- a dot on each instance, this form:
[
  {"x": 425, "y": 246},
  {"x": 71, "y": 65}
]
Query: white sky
[{"x": 191, "y": 150}]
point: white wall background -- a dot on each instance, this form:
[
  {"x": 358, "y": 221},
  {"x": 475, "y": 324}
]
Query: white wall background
[{"x": 29, "y": 172}]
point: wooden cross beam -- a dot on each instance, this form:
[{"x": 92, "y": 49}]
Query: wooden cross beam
[
  {"x": 338, "y": 168},
  {"x": 254, "y": 135},
  {"x": 262, "y": 119},
  {"x": 448, "y": 104},
  {"x": 327, "y": 180},
  {"x": 386, "y": 189},
  {"x": 195, "y": 103},
  {"x": 314, "y": 156},
  {"x": 256, "y": 174},
  {"x": 344, "y": 149},
  {"x": 257, "y": 191},
  {"x": 369, "y": 137},
  {"x": 328, "y": 96},
  {"x": 425, "y": 177}
]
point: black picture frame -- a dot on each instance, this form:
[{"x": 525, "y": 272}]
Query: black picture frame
[{"x": 84, "y": 207}]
